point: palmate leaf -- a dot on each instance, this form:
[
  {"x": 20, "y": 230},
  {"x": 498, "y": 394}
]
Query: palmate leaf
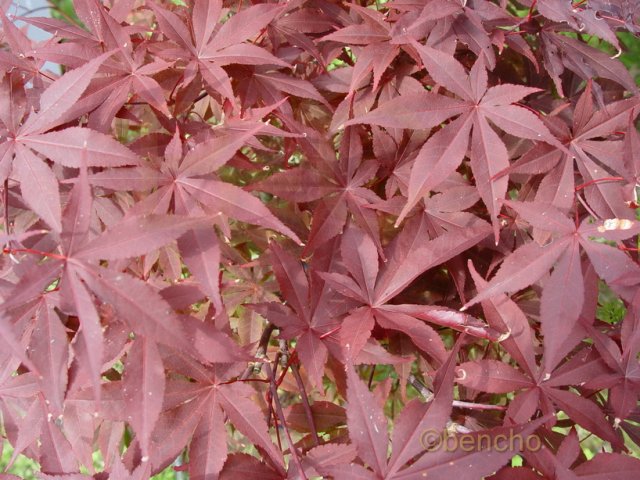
[
  {"x": 308, "y": 319},
  {"x": 37, "y": 180},
  {"x": 488, "y": 154},
  {"x": 504, "y": 315},
  {"x": 483, "y": 461},
  {"x": 373, "y": 290},
  {"x": 563, "y": 295},
  {"x": 213, "y": 49},
  {"x": 145, "y": 310},
  {"x": 60, "y": 96},
  {"x": 203, "y": 417},
  {"x": 418, "y": 418},
  {"x": 368, "y": 426}
]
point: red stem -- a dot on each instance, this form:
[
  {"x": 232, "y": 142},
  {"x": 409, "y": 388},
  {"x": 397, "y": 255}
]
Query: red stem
[
  {"x": 530, "y": 14},
  {"x": 628, "y": 249},
  {"x": 598, "y": 180},
  {"x": 330, "y": 332},
  {"x": 8, "y": 251}
]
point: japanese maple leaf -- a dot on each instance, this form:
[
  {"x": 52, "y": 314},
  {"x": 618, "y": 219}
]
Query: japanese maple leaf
[
  {"x": 76, "y": 263},
  {"x": 560, "y": 51},
  {"x": 377, "y": 50},
  {"x": 373, "y": 288},
  {"x": 244, "y": 284},
  {"x": 55, "y": 454},
  {"x": 198, "y": 410},
  {"x": 20, "y": 57},
  {"x": 309, "y": 315},
  {"x": 632, "y": 163},
  {"x": 32, "y": 401},
  {"x": 184, "y": 183},
  {"x": 539, "y": 387},
  {"x": 263, "y": 82},
  {"x": 563, "y": 293},
  {"x": 297, "y": 26},
  {"x": 623, "y": 380},
  {"x": 21, "y": 140},
  {"x": 16, "y": 395},
  {"x": 444, "y": 151},
  {"x": 444, "y": 21},
  {"x": 618, "y": 13},
  {"x": 462, "y": 463},
  {"x": 207, "y": 45},
  {"x": 129, "y": 72},
  {"x": 581, "y": 17},
  {"x": 368, "y": 428},
  {"x": 238, "y": 464},
  {"x": 144, "y": 383},
  {"x": 338, "y": 185},
  {"x": 597, "y": 157},
  {"x": 443, "y": 212},
  {"x": 444, "y": 209},
  {"x": 144, "y": 396},
  {"x": 396, "y": 159},
  {"x": 368, "y": 431},
  {"x": 615, "y": 466}
]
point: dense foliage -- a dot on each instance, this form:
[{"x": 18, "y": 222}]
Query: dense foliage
[{"x": 290, "y": 239}]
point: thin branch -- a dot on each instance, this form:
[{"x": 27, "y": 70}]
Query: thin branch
[
  {"x": 428, "y": 396},
  {"x": 261, "y": 352},
  {"x": 420, "y": 387},
  {"x": 303, "y": 393},
  {"x": 373, "y": 371},
  {"x": 276, "y": 400}
]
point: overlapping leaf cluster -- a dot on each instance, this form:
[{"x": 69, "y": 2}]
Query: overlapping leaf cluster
[{"x": 218, "y": 217}]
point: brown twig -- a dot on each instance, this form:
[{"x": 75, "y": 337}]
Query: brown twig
[
  {"x": 261, "y": 352},
  {"x": 373, "y": 371}
]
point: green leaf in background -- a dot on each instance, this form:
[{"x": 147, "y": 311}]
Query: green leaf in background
[
  {"x": 631, "y": 56},
  {"x": 63, "y": 9}
]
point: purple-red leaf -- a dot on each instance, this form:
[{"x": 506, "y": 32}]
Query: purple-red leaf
[
  {"x": 367, "y": 424},
  {"x": 143, "y": 390}
]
